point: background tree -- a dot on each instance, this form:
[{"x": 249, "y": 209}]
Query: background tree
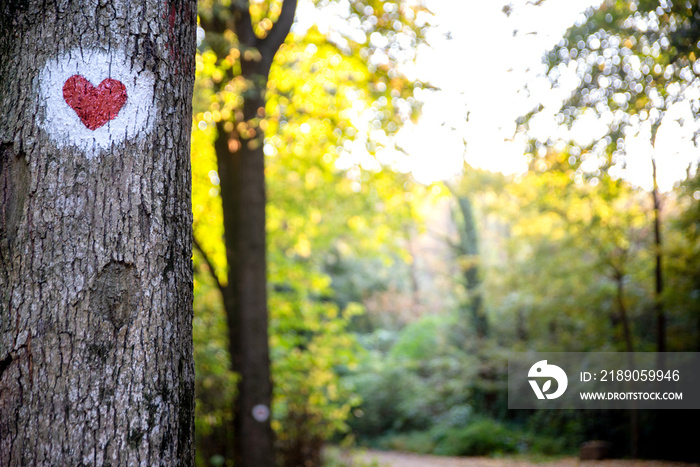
[
  {"x": 245, "y": 43},
  {"x": 95, "y": 246},
  {"x": 683, "y": 279},
  {"x": 307, "y": 117},
  {"x": 636, "y": 62},
  {"x": 467, "y": 251}
]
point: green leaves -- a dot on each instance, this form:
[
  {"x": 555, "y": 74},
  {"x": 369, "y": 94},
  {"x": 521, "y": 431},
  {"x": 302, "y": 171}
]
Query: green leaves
[{"x": 330, "y": 107}]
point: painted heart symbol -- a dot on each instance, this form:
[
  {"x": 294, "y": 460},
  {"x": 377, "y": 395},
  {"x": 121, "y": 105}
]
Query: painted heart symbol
[{"x": 94, "y": 105}]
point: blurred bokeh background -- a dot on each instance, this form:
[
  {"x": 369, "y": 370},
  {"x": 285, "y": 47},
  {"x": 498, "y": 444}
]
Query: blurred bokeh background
[{"x": 449, "y": 182}]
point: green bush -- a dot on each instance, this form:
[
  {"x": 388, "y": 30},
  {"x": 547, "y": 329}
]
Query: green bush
[
  {"x": 481, "y": 437},
  {"x": 413, "y": 384},
  {"x": 420, "y": 442}
]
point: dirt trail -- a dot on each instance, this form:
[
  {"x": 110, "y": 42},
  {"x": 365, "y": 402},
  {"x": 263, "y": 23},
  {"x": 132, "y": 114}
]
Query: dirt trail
[{"x": 402, "y": 459}]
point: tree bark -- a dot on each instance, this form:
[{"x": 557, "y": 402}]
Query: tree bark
[{"x": 96, "y": 364}]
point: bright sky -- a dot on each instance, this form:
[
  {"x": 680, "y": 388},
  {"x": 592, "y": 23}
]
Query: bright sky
[
  {"x": 488, "y": 67},
  {"x": 482, "y": 69},
  {"x": 486, "y": 70}
]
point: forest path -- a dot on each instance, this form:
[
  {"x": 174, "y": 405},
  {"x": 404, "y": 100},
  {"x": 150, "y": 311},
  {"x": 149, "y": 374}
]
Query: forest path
[{"x": 404, "y": 459}]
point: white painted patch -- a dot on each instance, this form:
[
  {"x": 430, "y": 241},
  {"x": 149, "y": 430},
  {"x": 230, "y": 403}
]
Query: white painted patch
[
  {"x": 61, "y": 122},
  {"x": 261, "y": 413}
]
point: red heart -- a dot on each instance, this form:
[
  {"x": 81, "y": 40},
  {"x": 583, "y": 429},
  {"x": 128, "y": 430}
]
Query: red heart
[{"x": 94, "y": 105}]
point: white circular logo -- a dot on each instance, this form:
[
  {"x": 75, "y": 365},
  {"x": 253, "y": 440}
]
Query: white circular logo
[
  {"x": 542, "y": 370},
  {"x": 94, "y": 99}
]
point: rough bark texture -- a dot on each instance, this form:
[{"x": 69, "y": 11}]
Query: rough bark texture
[{"x": 96, "y": 363}]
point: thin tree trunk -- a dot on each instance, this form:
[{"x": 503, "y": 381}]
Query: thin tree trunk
[
  {"x": 413, "y": 274},
  {"x": 658, "y": 270},
  {"x": 96, "y": 363},
  {"x": 622, "y": 310},
  {"x": 629, "y": 347},
  {"x": 243, "y": 196},
  {"x": 658, "y": 256},
  {"x": 469, "y": 246}
]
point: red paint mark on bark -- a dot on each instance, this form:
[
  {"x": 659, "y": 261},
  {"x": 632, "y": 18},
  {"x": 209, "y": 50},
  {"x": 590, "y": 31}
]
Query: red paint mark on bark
[
  {"x": 176, "y": 12},
  {"x": 173, "y": 45},
  {"x": 172, "y": 17},
  {"x": 94, "y": 105}
]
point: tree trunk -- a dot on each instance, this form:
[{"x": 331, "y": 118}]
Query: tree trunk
[
  {"x": 243, "y": 198},
  {"x": 629, "y": 348},
  {"x": 469, "y": 250},
  {"x": 622, "y": 311},
  {"x": 241, "y": 167},
  {"x": 96, "y": 362},
  {"x": 658, "y": 269},
  {"x": 413, "y": 273}
]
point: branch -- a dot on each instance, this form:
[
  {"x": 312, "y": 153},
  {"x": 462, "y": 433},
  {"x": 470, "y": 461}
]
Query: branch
[
  {"x": 243, "y": 23},
  {"x": 210, "y": 265},
  {"x": 281, "y": 28}
]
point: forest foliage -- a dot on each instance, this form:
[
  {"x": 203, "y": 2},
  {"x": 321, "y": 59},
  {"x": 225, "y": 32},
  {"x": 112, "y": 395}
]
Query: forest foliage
[{"x": 394, "y": 305}]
